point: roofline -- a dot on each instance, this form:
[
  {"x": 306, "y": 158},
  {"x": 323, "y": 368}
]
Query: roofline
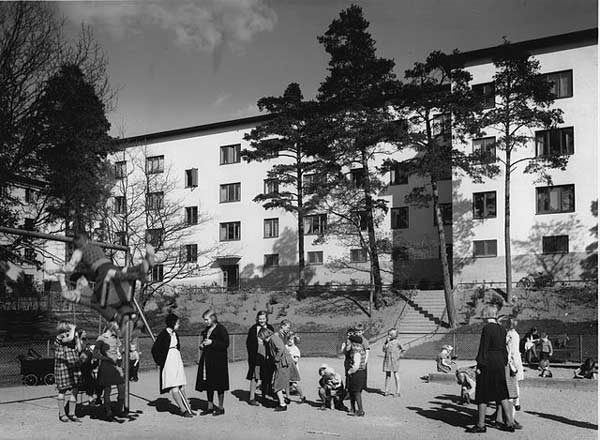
[
  {"x": 571, "y": 38},
  {"x": 136, "y": 140}
]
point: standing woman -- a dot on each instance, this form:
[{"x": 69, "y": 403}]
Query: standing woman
[
  {"x": 166, "y": 354},
  {"x": 108, "y": 351},
  {"x": 213, "y": 369},
  {"x": 492, "y": 359},
  {"x": 258, "y": 367}
]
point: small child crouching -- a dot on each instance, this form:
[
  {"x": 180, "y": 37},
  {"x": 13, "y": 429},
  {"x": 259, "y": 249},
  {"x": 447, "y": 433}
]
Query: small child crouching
[
  {"x": 331, "y": 388},
  {"x": 466, "y": 378}
]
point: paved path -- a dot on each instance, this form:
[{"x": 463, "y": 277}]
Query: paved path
[{"x": 424, "y": 411}]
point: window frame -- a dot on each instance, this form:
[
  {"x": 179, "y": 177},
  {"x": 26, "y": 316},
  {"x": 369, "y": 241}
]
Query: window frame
[
  {"x": 120, "y": 169},
  {"x": 321, "y": 221},
  {"x": 273, "y": 221},
  {"x": 191, "y": 180},
  {"x": 157, "y": 273},
  {"x": 271, "y": 181},
  {"x": 150, "y": 169},
  {"x": 274, "y": 257},
  {"x": 155, "y": 201},
  {"x": 550, "y": 188},
  {"x": 227, "y": 187},
  {"x": 226, "y": 226},
  {"x": 191, "y": 253},
  {"x": 157, "y": 233},
  {"x": 489, "y": 99},
  {"x": 486, "y": 248},
  {"x": 485, "y": 205},
  {"x": 237, "y": 156},
  {"x": 318, "y": 263},
  {"x": 558, "y": 72},
  {"x": 396, "y": 173},
  {"x": 493, "y": 157},
  {"x": 193, "y": 217},
  {"x": 364, "y": 255},
  {"x": 547, "y": 145},
  {"x": 120, "y": 205},
  {"x": 399, "y": 209},
  {"x": 546, "y": 242}
]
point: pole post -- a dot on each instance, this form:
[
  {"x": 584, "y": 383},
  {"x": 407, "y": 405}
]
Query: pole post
[
  {"x": 48, "y": 348},
  {"x": 454, "y": 343},
  {"x": 580, "y": 348},
  {"x": 233, "y": 349},
  {"x": 127, "y": 337}
]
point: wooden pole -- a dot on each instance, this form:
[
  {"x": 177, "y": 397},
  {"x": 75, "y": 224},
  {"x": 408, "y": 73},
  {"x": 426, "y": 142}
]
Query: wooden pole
[{"x": 127, "y": 338}]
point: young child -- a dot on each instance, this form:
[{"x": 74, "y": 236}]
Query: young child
[
  {"x": 294, "y": 352},
  {"x": 134, "y": 361},
  {"x": 359, "y": 330},
  {"x": 357, "y": 375},
  {"x": 67, "y": 369},
  {"x": 545, "y": 368},
  {"x": 103, "y": 270},
  {"x": 392, "y": 351},
  {"x": 466, "y": 378},
  {"x": 546, "y": 350},
  {"x": 331, "y": 388},
  {"x": 444, "y": 359},
  {"x": 88, "y": 364},
  {"x": 587, "y": 370}
]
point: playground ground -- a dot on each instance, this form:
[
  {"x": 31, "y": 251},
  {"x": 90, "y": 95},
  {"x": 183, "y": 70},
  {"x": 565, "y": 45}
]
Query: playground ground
[{"x": 424, "y": 411}]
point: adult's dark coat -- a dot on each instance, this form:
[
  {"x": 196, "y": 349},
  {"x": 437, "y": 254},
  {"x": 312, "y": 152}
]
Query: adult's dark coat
[
  {"x": 160, "y": 350},
  {"x": 492, "y": 359},
  {"x": 213, "y": 369},
  {"x": 256, "y": 359}
]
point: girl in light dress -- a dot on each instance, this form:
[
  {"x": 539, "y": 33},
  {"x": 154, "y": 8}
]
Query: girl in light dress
[{"x": 392, "y": 351}]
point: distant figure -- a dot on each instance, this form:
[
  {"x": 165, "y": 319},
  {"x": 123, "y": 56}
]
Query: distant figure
[
  {"x": 546, "y": 350},
  {"x": 562, "y": 340},
  {"x": 529, "y": 346},
  {"x": 444, "y": 359},
  {"x": 392, "y": 350},
  {"x": 545, "y": 368},
  {"x": 587, "y": 370},
  {"x": 134, "y": 362}
]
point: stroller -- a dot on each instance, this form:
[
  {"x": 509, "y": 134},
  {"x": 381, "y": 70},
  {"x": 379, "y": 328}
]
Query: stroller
[{"x": 465, "y": 377}]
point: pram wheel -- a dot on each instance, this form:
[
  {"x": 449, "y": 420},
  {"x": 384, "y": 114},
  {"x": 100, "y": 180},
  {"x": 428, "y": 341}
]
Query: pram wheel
[
  {"x": 49, "y": 379},
  {"x": 30, "y": 379}
]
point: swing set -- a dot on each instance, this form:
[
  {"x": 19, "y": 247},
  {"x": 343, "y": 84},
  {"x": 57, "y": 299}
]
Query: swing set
[{"x": 109, "y": 291}]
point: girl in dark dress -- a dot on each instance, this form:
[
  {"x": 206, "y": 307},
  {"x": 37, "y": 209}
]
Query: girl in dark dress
[
  {"x": 213, "y": 369},
  {"x": 492, "y": 359},
  {"x": 259, "y": 369}
]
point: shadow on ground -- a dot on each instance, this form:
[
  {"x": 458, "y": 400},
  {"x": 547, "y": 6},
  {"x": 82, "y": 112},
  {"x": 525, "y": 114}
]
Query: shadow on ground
[
  {"x": 446, "y": 409},
  {"x": 564, "y": 420}
]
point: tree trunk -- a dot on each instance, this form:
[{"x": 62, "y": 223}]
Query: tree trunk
[
  {"x": 448, "y": 293},
  {"x": 507, "y": 247},
  {"x": 301, "y": 262},
  {"x": 373, "y": 252}
]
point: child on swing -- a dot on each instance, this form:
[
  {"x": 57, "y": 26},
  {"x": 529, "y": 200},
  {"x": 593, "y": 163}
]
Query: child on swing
[{"x": 92, "y": 256}]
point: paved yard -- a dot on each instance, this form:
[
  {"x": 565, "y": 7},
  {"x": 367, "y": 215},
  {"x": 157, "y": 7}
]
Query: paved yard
[{"x": 424, "y": 411}]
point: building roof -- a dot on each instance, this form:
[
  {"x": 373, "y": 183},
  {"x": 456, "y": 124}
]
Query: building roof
[
  {"x": 587, "y": 36},
  {"x": 578, "y": 38}
]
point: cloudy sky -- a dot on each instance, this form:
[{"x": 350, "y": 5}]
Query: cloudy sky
[{"x": 179, "y": 63}]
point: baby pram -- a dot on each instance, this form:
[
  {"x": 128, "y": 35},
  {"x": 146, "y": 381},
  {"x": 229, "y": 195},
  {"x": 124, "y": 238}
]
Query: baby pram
[{"x": 465, "y": 377}]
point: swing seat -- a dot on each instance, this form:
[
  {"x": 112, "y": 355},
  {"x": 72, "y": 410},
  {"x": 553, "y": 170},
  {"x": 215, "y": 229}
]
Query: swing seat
[{"x": 114, "y": 290}]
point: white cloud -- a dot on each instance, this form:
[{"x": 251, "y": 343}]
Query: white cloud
[
  {"x": 205, "y": 25},
  {"x": 220, "y": 99}
]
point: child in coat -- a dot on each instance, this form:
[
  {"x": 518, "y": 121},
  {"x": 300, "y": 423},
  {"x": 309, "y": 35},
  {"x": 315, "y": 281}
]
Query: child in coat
[
  {"x": 392, "y": 351},
  {"x": 357, "y": 375},
  {"x": 67, "y": 369}
]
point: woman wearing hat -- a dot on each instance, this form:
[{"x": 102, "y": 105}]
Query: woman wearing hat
[{"x": 492, "y": 359}]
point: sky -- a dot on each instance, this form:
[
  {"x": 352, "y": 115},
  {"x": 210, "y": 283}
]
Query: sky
[{"x": 181, "y": 63}]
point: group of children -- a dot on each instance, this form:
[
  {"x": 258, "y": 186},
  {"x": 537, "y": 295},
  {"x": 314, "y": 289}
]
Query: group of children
[{"x": 77, "y": 368}]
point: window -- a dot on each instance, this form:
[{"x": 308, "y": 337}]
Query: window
[
  {"x": 191, "y": 215},
  {"x": 400, "y": 253},
  {"x": 30, "y": 254},
  {"x": 558, "y": 141},
  {"x": 191, "y": 178},
  {"x": 357, "y": 177},
  {"x": 155, "y": 164},
  {"x": 230, "y": 154},
  {"x": 120, "y": 169},
  {"x": 446, "y": 209},
  {"x": 315, "y": 257},
  {"x": 157, "y": 274},
  {"x": 562, "y": 83},
  {"x": 190, "y": 253},
  {"x": 484, "y": 204},
  {"x": 400, "y": 218},
  {"x": 485, "y": 149},
  {"x": 31, "y": 195},
  {"x": 230, "y": 192},
  {"x": 120, "y": 205},
  {"x": 441, "y": 126},
  {"x": 121, "y": 238},
  {"x": 555, "y": 244},
  {"x": 315, "y": 224},
  {"x": 485, "y": 248},
  {"x": 271, "y": 227},
  {"x": 271, "y": 260},
  {"x": 555, "y": 199},
  {"x": 311, "y": 182},
  {"x": 486, "y": 92},
  {"x": 229, "y": 231},
  {"x": 155, "y": 236},
  {"x": 271, "y": 186},
  {"x": 29, "y": 224},
  {"x": 358, "y": 255},
  {"x": 399, "y": 174},
  {"x": 155, "y": 201}
]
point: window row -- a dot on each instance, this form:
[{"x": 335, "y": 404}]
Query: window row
[{"x": 552, "y": 244}]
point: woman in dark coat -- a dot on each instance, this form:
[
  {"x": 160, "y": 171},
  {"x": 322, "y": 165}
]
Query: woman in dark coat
[
  {"x": 213, "y": 369},
  {"x": 258, "y": 366},
  {"x": 166, "y": 354},
  {"x": 492, "y": 359}
]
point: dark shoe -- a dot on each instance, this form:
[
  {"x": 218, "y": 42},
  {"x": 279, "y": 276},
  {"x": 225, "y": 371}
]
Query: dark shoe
[
  {"x": 477, "y": 429},
  {"x": 207, "y": 412},
  {"x": 219, "y": 411},
  {"x": 281, "y": 408},
  {"x": 302, "y": 400},
  {"x": 287, "y": 401},
  {"x": 74, "y": 418},
  {"x": 253, "y": 403},
  {"x": 360, "y": 414},
  {"x": 63, "y": 418},
  {"x": 517, "y": 425},
  {"x": 517, "y": 407},
  {"x": 507, "y": 428}
]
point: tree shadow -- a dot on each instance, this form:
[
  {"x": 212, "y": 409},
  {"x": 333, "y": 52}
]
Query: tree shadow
[
  {"x": 589, "y": 265},
  {"x": 463, "y": 226},
  {"x": 561, "y": 419}
]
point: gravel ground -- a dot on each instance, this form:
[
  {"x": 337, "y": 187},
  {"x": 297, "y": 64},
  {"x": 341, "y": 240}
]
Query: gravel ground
[{"x": 424, "y": 411}]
